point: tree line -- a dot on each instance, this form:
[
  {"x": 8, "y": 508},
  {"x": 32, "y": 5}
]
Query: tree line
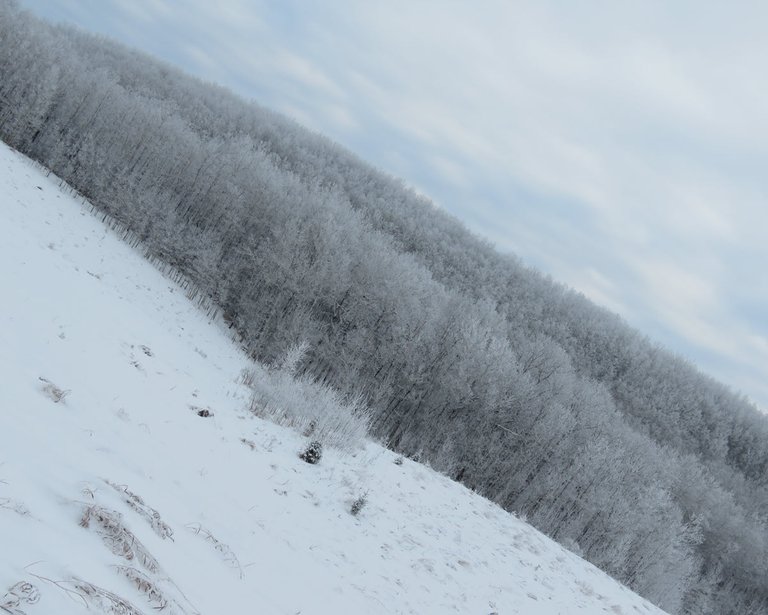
[{"x": 516, "y": 386}]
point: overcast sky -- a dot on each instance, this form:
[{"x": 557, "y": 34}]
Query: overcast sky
[{"x": 618, "y": 146}]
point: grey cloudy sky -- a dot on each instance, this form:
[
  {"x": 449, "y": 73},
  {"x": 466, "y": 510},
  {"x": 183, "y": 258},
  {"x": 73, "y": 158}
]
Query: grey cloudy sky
[{"x": 618, "y": 146}]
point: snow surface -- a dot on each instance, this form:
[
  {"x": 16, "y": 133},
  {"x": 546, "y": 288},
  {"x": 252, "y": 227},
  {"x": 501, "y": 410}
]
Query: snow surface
[{"x": 254, "y": 528}]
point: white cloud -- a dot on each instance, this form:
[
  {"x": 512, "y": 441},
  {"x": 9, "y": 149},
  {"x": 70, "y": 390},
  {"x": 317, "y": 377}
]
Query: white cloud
[
  {"x": 146, "y": 10},
  {"x": 201, "y": 59},
  {"x": 451, "y": 171},
  {"x": 303, "y": 71}
]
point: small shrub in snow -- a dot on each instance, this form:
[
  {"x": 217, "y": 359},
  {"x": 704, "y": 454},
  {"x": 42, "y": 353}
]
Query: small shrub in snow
[
  {"x": 358, "y": 505},
  {"x": 202, "y": 412},
  {"x": 309, "y": 407},
  {"x": 313, "y": 453},
  {"x": 399, "y": 461}
]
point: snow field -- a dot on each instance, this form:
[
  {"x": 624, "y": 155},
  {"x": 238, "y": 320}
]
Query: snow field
[{"x": 117, "y": 497}]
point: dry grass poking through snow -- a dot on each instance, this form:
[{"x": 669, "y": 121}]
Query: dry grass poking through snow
[
  {"x": 105, "y": 601},
  {"x": 56, "y": 393},
  {"x": 9, "y": 504},
  {"x": 120, "y": 540},
  {"x": 123, "y": 543},
  {"x": 146, "y": 586},
  {"x": 21, "y": 593},
  {"x": 227, "y": 554},
  {"x": 134, "y": 501}
]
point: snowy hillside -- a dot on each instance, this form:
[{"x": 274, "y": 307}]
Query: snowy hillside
[{"x": 117, "y": 497}]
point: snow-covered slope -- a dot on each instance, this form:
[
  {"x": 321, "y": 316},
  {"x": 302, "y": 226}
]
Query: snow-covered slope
[{"x": 116, "y": 497}]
